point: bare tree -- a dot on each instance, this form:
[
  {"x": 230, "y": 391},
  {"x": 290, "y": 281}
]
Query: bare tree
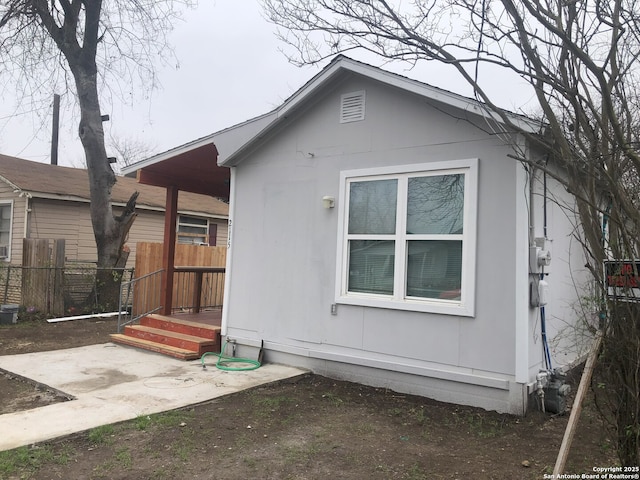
[
  {"x": 128, "y": 150},
  {"x": 580, "y": 60},
  {"x": 96, "y": 48}
]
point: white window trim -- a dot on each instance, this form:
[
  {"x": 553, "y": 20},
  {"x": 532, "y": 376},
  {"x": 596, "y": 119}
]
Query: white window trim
[
  {"x": 10, "y": 205},
  {"x": 179, "y": 223},
  {"x": 463, "y": 307}
]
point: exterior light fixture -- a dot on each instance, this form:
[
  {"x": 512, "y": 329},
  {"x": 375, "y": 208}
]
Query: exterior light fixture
[{"x": 328, "y": 202}]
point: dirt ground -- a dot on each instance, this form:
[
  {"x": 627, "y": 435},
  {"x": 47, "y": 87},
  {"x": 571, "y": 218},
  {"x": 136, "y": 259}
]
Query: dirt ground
[{"x": 310, "y": 427}]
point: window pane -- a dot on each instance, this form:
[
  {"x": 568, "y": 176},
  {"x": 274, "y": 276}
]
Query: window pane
[
  {"x": 372, "y": 207},
  {"x": 5, "y": 218},
  {"x": 194, "y": 230},
  {"x": 191, "y": 240},
  {"x": 193, "y": 220},
  {"x": 434, "y": 269},
  {"x": 435, "y": 204},
  {"x": 371, "y": 266}
]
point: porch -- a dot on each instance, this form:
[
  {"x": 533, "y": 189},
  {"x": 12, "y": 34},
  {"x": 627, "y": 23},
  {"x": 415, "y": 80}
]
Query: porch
[
  {"x": 177, "y": 310},
  {"x": 192, "y": 326},
  {"x": 184, "y": 336}
]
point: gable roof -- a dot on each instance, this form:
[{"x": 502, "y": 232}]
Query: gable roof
[
  {"x": 233, "y": 143},
  {"x": 63, "y": 183},
  {"x": 341, "y": 67}
]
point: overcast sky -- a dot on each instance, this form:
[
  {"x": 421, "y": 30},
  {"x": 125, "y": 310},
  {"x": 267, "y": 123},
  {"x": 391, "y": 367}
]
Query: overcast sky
[{"x": 230, "y": 70}]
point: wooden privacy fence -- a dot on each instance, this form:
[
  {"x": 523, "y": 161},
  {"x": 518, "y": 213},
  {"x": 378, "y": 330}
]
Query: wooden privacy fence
[
  {"x": 49, "y": 285},
  {"x": 210, "y": 285},
  {"x": 43, "y": 275}
]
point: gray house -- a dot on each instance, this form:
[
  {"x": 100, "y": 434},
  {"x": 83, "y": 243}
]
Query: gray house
[{"x": 381, "y": 233}]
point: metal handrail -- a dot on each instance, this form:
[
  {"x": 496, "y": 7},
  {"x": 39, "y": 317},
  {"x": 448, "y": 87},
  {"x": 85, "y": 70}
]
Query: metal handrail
[{"x": 146, "y": 285}]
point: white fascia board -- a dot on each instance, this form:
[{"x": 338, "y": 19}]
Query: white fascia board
[
  {"x": 222, "y": 139},
  {"x": 55, "y": 196},
  {"x": 282, "y": 112},
  {"x": 15, "y": 187},
  {"x": 75, "y": 198},
  {"x": 407, "y": 84},
  {"x": 230, "y": 140},
  {"x": 439, "y": 95}
]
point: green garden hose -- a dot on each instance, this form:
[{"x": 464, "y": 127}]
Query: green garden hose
[{"x": 224, "y": 362}]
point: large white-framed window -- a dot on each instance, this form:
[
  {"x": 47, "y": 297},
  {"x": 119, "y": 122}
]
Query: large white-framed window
[
  {"x": 6, "y": 213},
  {"x": 407, "y": 237}
]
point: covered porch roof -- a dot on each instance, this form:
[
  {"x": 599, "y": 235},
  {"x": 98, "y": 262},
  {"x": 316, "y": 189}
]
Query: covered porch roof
[{"x": 192, "y": 168}]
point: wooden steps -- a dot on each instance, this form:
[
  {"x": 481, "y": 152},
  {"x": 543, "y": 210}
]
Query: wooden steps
[{"x": 177, "y": 338}]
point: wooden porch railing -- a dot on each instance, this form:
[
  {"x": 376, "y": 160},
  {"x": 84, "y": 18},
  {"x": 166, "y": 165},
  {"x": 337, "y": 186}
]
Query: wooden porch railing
[
  {"x": 198, "y": 287},
  {"x": 194, "y": 288}
]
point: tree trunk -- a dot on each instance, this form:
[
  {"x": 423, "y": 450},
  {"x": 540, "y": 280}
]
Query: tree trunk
[
  {"x": 619, "y": 379},
  {"x": 110, "y": 232}
]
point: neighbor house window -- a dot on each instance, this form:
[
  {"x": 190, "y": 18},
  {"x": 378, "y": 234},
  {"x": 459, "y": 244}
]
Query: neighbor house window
[
  {"x": 193, "y": 230},
  {"x": 5, "y": 230},
  {"x": 407, "y": 237}
]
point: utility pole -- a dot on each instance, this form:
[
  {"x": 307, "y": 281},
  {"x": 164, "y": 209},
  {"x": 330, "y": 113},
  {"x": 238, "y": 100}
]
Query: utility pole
[{"x": 55, "y": 129}]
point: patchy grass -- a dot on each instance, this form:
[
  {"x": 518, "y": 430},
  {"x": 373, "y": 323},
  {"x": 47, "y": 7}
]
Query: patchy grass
[
  {"x": 101, "y": 435},
  {"x": 313, "y": 427}
]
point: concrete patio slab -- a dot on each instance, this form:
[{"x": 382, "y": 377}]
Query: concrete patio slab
[{"x": 112, "y": 383}]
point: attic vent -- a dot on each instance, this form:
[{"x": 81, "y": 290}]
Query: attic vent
[{"x": 352, "y": 107}]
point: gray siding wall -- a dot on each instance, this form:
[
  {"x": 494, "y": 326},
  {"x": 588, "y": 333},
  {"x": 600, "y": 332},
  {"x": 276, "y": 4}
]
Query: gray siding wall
[
  {"x": 566, "y": 312},
  {"x": 282, "y": 277},
  {"x": 283, "y": 257}
]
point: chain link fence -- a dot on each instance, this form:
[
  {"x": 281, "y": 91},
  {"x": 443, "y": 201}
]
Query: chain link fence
[{"x": 53, "y": 292}]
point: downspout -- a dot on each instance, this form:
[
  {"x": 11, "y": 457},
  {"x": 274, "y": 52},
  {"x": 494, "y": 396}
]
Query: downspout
[
  {"x": 227, "y": 277},
  {"x": 522, "y": 277},
  {"x": 532, "y": 176},
  {"x": 27, "y": 210},
  {"x": 543, "y": 321},
  {"x": 544, "y": 203}
]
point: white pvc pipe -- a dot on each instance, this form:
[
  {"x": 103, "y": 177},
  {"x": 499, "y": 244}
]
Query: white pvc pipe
[{"x": 84, "y": 317}]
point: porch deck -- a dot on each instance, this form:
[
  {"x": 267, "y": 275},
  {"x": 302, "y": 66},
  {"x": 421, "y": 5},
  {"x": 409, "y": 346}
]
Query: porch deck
[{"x": 207, "y": 317}]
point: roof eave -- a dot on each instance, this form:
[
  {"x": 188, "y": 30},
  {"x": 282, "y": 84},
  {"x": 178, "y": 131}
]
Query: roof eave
[
  {"x": 344, "y": 64},
  {"x": 15, "y": 187},
  {"x": 188, "y": 147}
]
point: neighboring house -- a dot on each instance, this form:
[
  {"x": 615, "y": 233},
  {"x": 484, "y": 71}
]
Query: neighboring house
[
  {"x": 39, "y": 200},
  {"x": 382, "y": 233}
]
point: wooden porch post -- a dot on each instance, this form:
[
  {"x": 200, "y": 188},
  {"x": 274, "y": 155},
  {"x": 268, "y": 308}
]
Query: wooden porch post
[{"x": 169, "y": 250}]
